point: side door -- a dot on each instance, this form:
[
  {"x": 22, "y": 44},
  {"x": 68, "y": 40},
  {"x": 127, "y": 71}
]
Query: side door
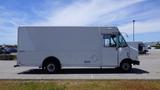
[
  {"x": 109, "y": 51},
  {"x": 123, "y": 50}
]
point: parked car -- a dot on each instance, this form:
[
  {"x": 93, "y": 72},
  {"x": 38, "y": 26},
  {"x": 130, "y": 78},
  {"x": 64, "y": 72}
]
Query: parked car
[
  {"x": 4, "y": 51},
  {"x": 12, "y": 50},
  {"x": 1, "y": 51}
]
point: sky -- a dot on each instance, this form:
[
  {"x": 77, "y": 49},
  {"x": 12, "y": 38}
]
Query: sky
[{"x": 120, "y": 13}]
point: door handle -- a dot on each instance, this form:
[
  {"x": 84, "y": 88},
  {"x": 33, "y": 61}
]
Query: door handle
[
  {"x": 87, "y": 61},
  {"x": 21, "y": 50}
]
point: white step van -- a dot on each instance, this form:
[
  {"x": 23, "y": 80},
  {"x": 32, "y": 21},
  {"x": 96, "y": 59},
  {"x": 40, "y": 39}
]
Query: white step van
[{"x": 65, "y": 47}]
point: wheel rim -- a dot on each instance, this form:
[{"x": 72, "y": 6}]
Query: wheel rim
[
  {"x": 126, "y": 66},
  {"x": 51, "y": 67}
]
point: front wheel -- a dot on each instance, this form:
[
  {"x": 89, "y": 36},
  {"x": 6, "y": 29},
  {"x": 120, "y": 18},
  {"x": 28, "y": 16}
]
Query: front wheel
[{"x": 126, "y": 66}]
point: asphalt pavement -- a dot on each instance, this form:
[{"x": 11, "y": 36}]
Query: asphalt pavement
[{"x": 148, "y": 69}]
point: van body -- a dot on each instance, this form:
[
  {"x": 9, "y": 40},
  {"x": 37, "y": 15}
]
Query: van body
[{"x": 55, "y": 48}]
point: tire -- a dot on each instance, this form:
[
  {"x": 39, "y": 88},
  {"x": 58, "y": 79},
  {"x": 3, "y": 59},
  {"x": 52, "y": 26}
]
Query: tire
[
  {"x": 52, "y": 67},
  {"x": 126, "y": 66}
]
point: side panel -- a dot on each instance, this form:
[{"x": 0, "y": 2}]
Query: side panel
[{"x": 74, "y": 47}]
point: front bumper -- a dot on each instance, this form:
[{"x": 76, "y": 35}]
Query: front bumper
[{"x": 136, "y": 62}]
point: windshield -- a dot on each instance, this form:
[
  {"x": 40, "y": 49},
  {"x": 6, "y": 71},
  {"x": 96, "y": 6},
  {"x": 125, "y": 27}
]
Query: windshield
[{"x": 121, "y": 41}]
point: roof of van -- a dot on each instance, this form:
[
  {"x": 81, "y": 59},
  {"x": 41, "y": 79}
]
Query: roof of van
[
  {"x": 71, "y": 26},
  {"x": 103, "y": 29}
]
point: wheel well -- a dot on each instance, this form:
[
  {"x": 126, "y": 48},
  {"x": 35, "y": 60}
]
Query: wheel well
[
  {"x": 126, "y": 60},
  {"x": 51, "y": 59}
]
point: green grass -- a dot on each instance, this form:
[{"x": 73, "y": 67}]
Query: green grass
[
  {"x": 157, "y": 46},
  {"x": 30, "y": 85},
  {"x": 81, "y": 85}
]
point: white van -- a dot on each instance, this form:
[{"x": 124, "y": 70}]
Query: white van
[{"x": 55, "y": 48}]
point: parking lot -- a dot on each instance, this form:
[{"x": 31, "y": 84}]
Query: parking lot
[{"x": 148, "y": 69}]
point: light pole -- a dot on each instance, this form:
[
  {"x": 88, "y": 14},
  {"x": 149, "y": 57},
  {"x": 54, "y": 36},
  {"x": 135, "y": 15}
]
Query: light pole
[{"x": 133, "y": 30}]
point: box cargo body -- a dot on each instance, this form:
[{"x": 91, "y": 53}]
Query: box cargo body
[{"x": 72, "y": 47}]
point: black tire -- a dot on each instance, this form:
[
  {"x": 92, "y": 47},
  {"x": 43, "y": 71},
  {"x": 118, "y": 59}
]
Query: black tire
[
  {"x": 52, "y": 67},
  {"x": 125, "y": 66}
]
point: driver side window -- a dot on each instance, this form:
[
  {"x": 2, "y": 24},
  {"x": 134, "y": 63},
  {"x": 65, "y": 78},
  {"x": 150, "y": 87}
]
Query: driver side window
[{"x": 109, "y": 40}]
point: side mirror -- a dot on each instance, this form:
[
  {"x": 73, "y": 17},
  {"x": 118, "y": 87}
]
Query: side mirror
[{"x": 117, "y": 47}]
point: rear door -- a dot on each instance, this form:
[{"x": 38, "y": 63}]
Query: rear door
[{"x": 25, "y": 48}]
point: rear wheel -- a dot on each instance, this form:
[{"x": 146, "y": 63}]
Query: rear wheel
[
  {"x": 52, "y": 67},
  {"x": 126, "y": 66}
]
